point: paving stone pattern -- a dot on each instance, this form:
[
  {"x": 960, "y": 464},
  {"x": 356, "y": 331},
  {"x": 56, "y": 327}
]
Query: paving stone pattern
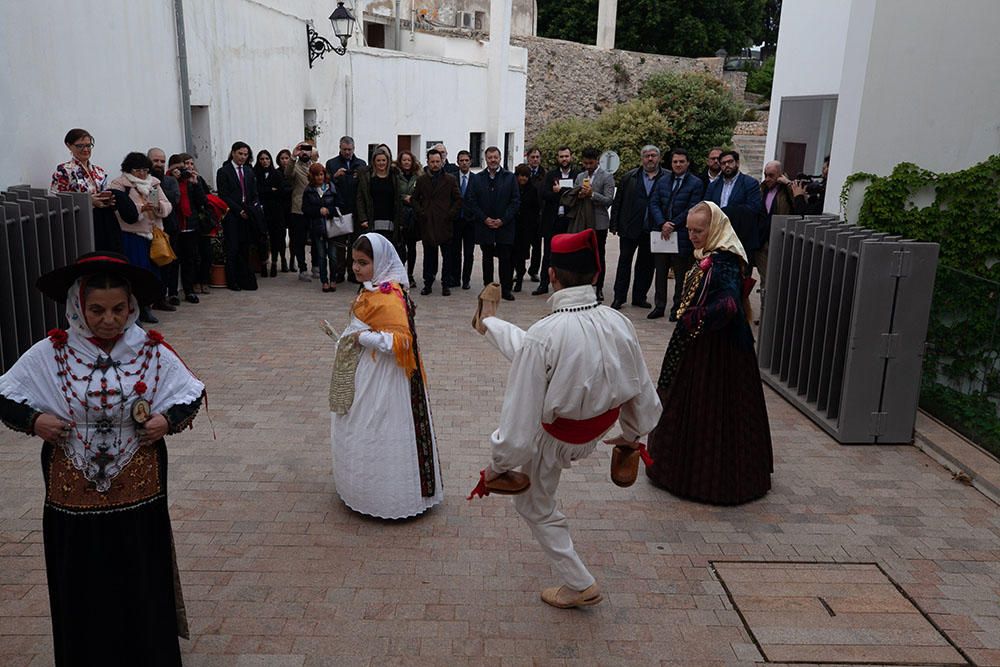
[{"x": 277, "y": 571}]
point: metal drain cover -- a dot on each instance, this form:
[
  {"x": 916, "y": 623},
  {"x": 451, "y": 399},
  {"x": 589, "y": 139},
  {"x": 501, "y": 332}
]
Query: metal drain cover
[{"x": 832, "y": 613}]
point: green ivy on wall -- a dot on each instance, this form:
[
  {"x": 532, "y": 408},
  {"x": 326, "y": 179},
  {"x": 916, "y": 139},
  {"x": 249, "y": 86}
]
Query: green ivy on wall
[
  {"x": 964, "y": 216},
  {"x": 961, "y": 379}
]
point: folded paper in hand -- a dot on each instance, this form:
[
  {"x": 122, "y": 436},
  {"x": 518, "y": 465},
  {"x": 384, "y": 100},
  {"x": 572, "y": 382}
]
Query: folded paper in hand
[{"x": 658, "y": 244}]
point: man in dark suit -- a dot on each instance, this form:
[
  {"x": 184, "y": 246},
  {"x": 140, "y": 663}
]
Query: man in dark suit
[
  {"x": 238, "y": 189},
  {"x": 436, "y": 203},
  {"x": 553, "y": 221},
  {"x": 673, "y": 198},
  {"x": 712, "y": 168},
  {"x": 536, "y": 177},
  {"x": 493, "y": 199},
  {"x": 630, "y": 221},
  {"x": 738, "y": 195},
  {"x": 463, "y": 242}
]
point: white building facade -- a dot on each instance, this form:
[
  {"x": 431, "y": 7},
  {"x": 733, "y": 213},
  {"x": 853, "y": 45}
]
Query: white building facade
[
  {"x": 873, "y": 83},
  {"x": 114, "y": 67}
]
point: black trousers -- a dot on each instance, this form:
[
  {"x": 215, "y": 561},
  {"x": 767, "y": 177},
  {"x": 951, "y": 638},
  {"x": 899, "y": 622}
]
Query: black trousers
[
  {"x": 237, "y": 234},
  {"x": 463, "y": 243},
  {"x": 408, "y": 256},
  {"x": 298, "y": 229},
  {"x": 680, "y": 263},
  {"x": 431, "y": 263},
  {"x": 602, "y": 245},
  {"x": 559, "y": 226},
  {"x": 276, "y": 227},
  {"x": 189, "y": 259},
  {"x": 643, "y": 269},
  {"x": 204, "y": 259},
  {"x": 502, "y": 252},
  {"x": 536, "y": 254}
]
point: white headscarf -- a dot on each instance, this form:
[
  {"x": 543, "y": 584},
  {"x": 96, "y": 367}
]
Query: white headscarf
[
  {"x": 75, "y": 305},
  {"x": 386, "y": 263}
]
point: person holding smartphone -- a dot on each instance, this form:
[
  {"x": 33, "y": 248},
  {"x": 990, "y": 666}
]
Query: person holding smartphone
[
  {"x": 79, "y": 174},
  {"x": 297, "y": 179}
]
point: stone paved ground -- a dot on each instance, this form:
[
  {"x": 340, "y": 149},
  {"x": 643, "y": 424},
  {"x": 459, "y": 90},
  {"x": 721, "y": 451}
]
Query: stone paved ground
[{"x": 276, "y": 571}]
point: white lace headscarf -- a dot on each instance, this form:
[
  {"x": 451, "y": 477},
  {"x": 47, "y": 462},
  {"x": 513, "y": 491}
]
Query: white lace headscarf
[
  {"x": 76, "y": 302},
  {"x": 386, "y": 263}
]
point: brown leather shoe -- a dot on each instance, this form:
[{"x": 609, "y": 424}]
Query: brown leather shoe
[
  {"x": 490, "y": 293},
  {"x": 624, "y": 465},
  {"x": 509, "y": 483},
  {"x": 564, "y": 597}
]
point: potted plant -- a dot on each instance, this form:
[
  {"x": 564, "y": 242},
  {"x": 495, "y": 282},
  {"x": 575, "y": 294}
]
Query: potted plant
[{"x": 217, "y": 277}]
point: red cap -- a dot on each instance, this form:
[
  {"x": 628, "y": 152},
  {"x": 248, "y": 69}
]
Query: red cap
[{"x": 576, "y": 252}]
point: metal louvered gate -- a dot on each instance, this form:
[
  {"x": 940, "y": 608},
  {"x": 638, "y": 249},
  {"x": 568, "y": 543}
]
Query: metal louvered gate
[
  {"x": 844, "y": 325},
  {"x": 39, "y": 231}
]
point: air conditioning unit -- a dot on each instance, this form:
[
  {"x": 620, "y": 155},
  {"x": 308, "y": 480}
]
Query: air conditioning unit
[{"x": 466, "y": 20}]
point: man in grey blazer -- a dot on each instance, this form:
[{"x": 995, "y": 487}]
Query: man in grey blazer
[{"x": 599, "y": 186}]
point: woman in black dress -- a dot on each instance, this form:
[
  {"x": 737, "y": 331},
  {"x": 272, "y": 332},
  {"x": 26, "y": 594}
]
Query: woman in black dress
[
  {"x": 713, "y": 441},
  {"x": 274, "y": 197},
  {"x": 102, "y": 395}
]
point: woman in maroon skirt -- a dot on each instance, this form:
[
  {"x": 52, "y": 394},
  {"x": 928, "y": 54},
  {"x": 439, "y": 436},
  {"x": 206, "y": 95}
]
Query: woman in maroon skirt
[{"x": 713, "y": 440}]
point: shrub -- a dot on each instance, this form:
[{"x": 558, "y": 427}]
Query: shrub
[
  {"x": 700, "y": 110},
  {"x": 624, "y": 128},
  {"x": 759, "y": 80}
]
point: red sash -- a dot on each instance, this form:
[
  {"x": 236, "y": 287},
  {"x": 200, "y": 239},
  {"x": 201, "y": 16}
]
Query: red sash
[{"x": 581, "y": 431}]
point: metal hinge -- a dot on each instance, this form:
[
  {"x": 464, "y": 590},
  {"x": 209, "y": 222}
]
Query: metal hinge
[
  {"x": 878, "y": 423},
  {"x": 901, "y": 262},
  {"x": 888, "y": 346}
]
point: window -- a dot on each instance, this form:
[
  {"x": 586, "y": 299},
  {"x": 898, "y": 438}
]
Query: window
[
  {"x": 476, "y": 141},
  {"x": 375, "y": 35},
  {"x": 508, "y": 151}
]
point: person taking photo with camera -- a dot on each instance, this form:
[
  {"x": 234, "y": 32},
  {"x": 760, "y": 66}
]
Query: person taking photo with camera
[{"x": 297, "y": 176}]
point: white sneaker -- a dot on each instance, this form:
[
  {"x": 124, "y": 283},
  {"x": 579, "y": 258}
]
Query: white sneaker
[{"x": 304, "y": 277}]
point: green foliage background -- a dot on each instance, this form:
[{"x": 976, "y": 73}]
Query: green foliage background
[
  {"x": 691, "y": 110},
  {"x": 691, "y": 28},
  {"x": 964, "y": 330},
  {"x": 761, "y": 79}
]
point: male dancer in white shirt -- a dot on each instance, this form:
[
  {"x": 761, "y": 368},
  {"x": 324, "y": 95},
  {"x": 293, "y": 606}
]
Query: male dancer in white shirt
[{"x": 573, "y": 375}]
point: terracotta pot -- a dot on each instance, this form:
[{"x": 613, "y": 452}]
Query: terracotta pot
[{"x": 217, "y": 277}]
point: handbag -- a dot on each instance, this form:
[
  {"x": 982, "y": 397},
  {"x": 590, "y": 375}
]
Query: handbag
[
  {"x": 159, "y": 250},
  {"x": 339, "y": 224}
]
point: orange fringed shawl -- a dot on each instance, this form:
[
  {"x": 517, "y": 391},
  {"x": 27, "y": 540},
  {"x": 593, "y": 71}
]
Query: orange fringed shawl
[{"x": 385, "y": 311}]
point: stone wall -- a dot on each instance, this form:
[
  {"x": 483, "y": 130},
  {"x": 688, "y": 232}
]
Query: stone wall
[{"x": 568, "y": 79}]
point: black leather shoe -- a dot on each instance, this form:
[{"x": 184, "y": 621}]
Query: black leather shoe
[
  {"x": 617, "y": 305},
  {"x": 466, "y": 285},
  {"x": 235, "y": 288},
  {"x": 274, "y": 270},
  {"x": 517, "y": 285},
  {"x": 192, "y": 298},
  {"x": 445, "y": 291},
  {"x": 655, "y": 314},
  {"x": 673, "y": 316},
  {"x": 507, "y": 296},
  {"x": 426, "y": 290},
  {"x": 533, "y": 277},
  {"x": 174, "y": 301},
  {"x": 163, "y": 305},
  {"x": 538, "y": 291},
  {"x": 146, "y": 316},
  {"x": 642, "y": 304}
]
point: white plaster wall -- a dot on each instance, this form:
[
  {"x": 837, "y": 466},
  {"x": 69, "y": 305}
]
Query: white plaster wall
[
  {"x": 436, "y": 99},
  {"x": 247, "y": 63},
  {"x": 810, "y": 55},
  {"x": 932, "y": 91},
  {"x": 107, "y": 67}
]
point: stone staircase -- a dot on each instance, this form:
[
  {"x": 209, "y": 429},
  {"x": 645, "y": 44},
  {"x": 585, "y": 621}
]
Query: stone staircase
[{"x": 751, "y": 150}]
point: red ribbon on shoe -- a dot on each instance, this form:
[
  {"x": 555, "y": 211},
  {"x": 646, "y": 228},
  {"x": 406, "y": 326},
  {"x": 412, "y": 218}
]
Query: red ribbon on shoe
[
  {"x": 647, "y": 460},
  {"x": 480, "y": 490}
]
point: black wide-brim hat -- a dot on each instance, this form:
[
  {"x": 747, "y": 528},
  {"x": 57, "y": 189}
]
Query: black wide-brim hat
[{"x": 145, "y": 286}]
